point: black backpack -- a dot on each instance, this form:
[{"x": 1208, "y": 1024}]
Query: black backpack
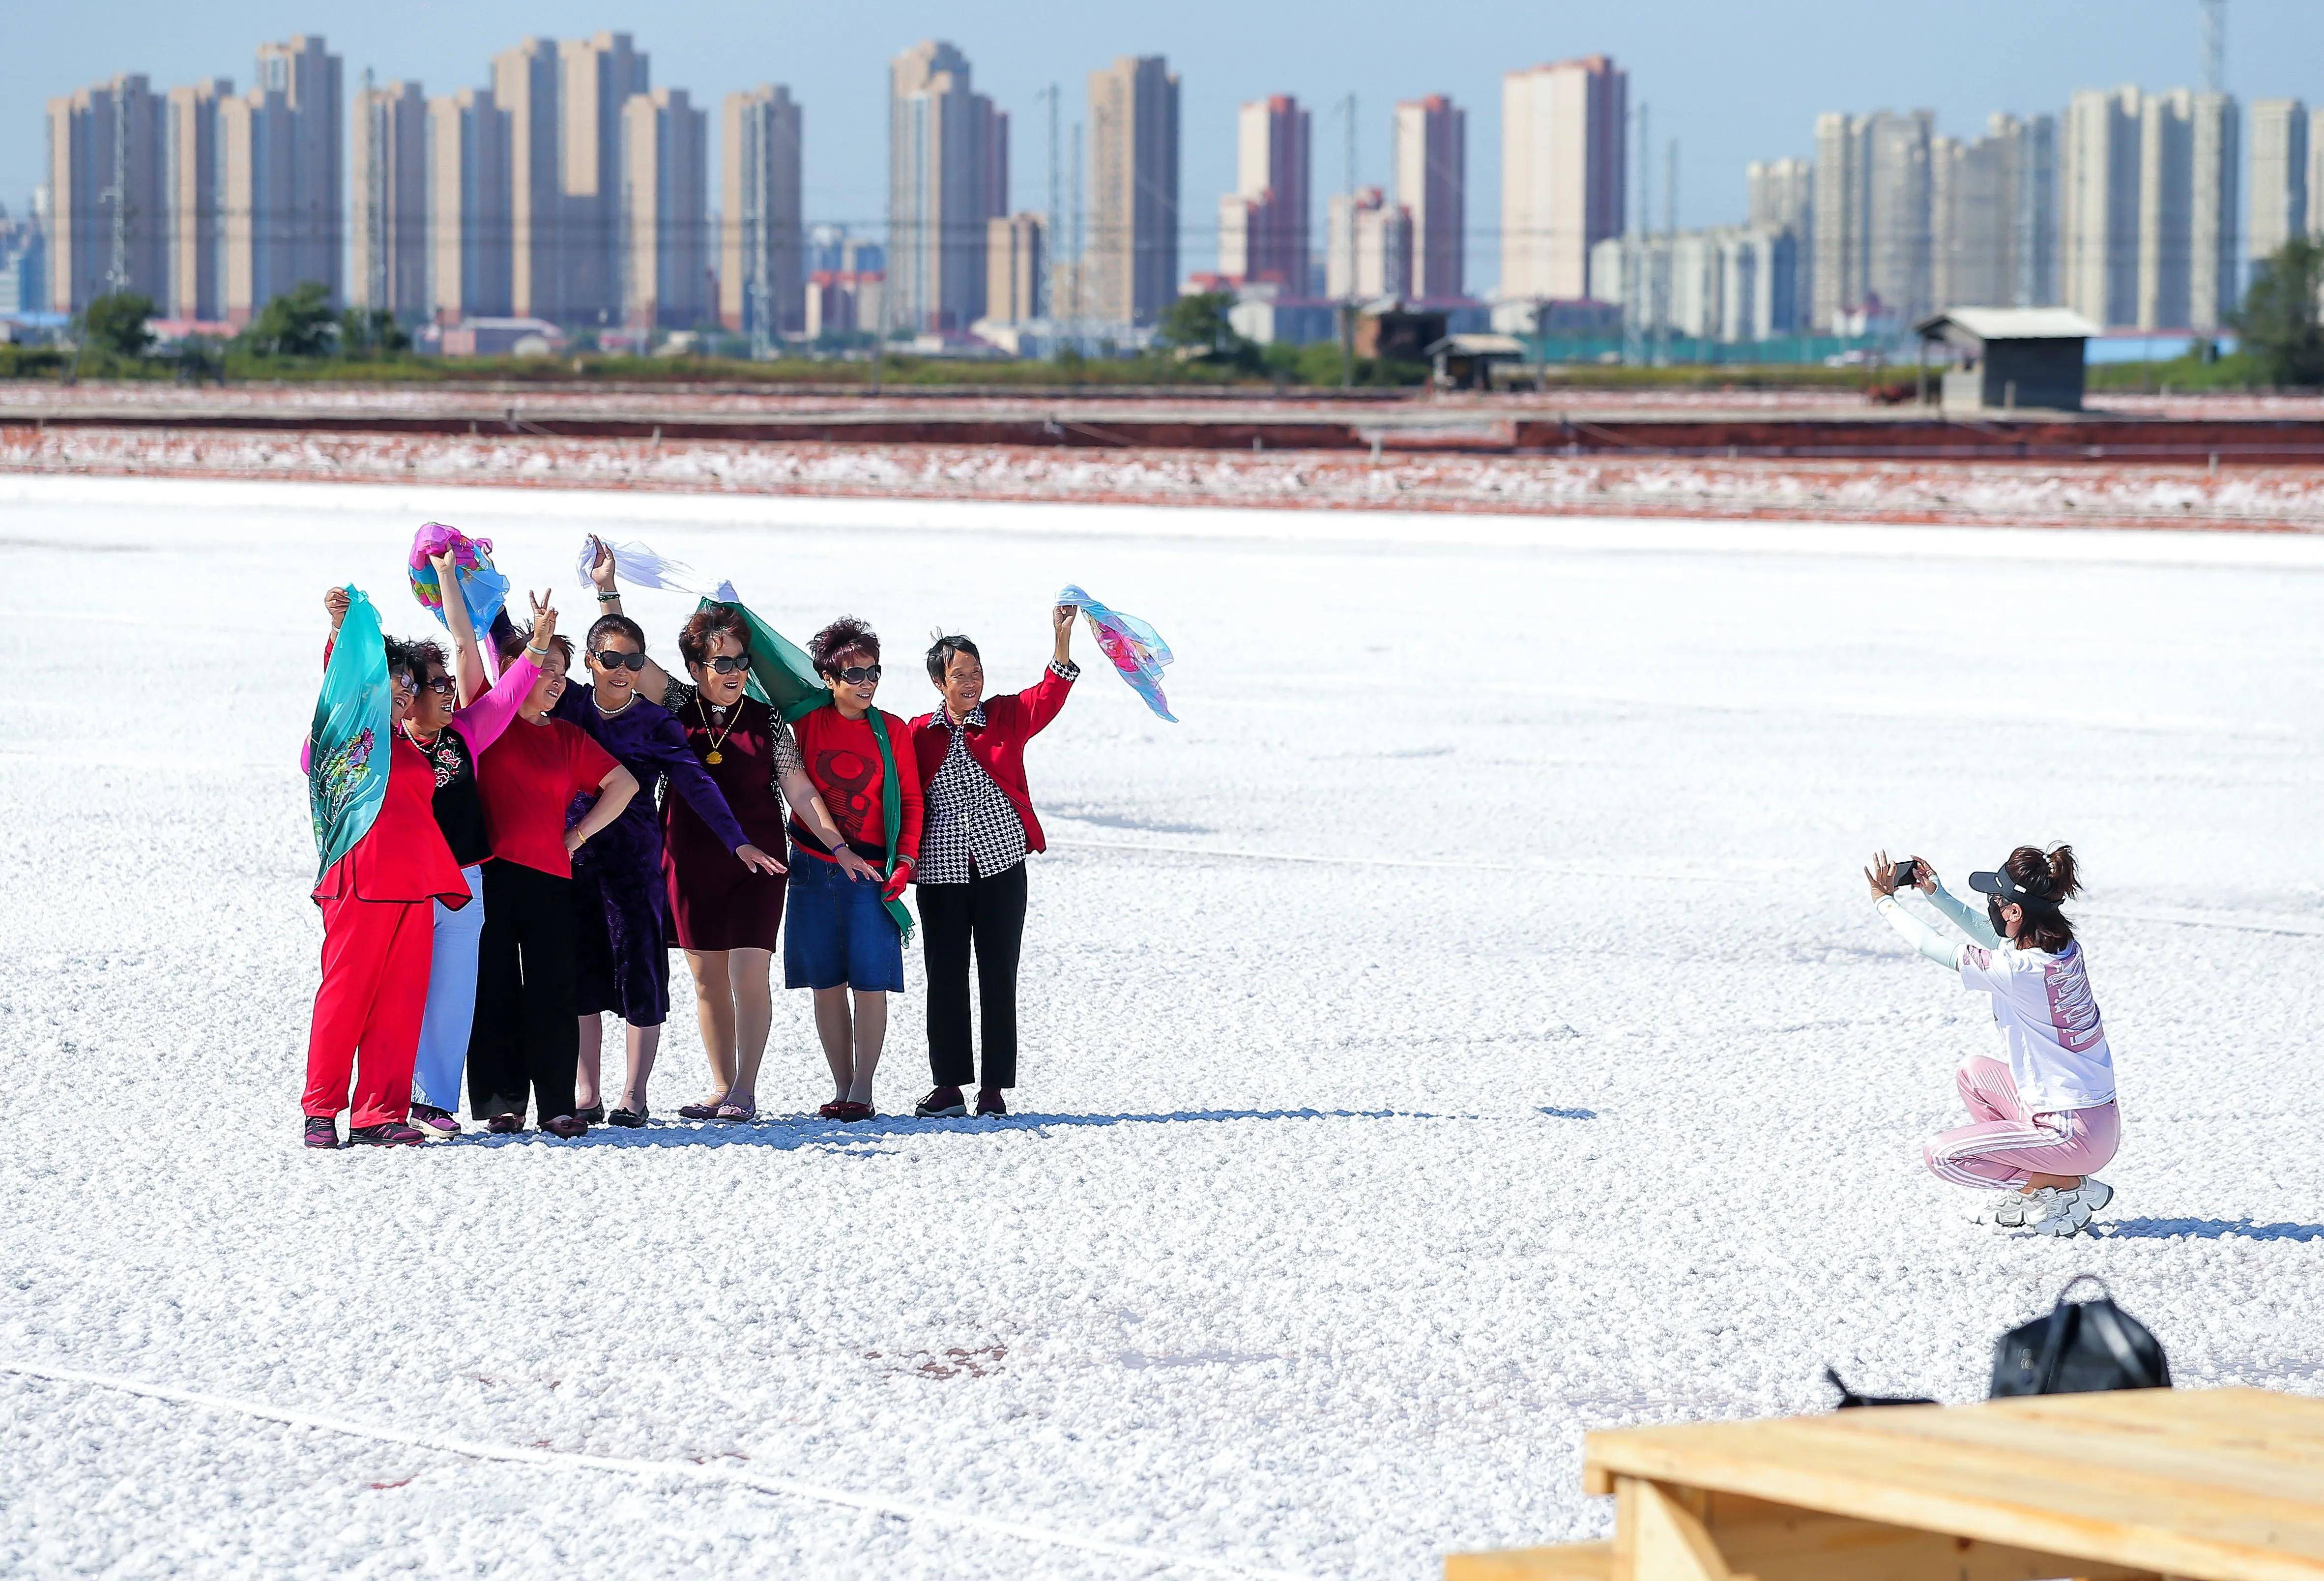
[{"x": 2081, "y": 1348}]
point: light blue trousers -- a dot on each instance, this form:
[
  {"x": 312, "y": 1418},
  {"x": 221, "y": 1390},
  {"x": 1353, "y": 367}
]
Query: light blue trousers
[{"x": 451, "y": 1000}]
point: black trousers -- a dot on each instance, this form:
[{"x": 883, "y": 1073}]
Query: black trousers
[
  {"x": 526, "y": 1034},
  {"x": 989, "y": 915}
]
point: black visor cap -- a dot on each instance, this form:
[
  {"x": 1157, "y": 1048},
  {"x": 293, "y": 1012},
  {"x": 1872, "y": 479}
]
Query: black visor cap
[{"x": 2008, "y": 890}]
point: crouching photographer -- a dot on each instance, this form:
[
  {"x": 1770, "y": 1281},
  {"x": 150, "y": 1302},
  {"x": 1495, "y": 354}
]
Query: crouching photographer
[{"x": 2044, "y": 1114}]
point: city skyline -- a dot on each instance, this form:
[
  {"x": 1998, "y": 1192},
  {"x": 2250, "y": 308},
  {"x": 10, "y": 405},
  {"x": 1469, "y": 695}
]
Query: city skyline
[
  {"x": 1756, "y": 98},
  {"x": 2128, "y": 206}
]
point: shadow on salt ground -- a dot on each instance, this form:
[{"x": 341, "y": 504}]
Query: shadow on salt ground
[
  {"x": 1557, "y": 1113},
  {"x": 2162, "y": 1229},
  {"x": 786, "y": 1135}
]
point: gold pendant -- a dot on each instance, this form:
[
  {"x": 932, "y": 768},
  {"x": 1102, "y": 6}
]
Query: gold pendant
[{"x": 715, "y": 757}]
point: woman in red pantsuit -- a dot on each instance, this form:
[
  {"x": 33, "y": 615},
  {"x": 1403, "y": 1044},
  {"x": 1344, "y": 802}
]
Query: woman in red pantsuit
[{"x": 379, "y": 923}]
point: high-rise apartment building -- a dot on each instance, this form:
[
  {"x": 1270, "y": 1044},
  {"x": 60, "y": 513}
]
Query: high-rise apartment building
[
  {"x": 1993, "y": 216},
  {"x": 947, "y": 175},
  {"x": 2214, "y": 212},
  {"x": 1562, "y": 162},
  {"x": 1733, "y": 283},
  {"x": 761, "y": 278},
  {"x": 596, "y": 77},
  {"x": 311, "y": 232},
  {"x": 1013, "y": 268},
  {"x": 1431, "y": 161},
  {"x": 1263, "y": 222},
  {"x": 2316, "y": 172},
  {"x": 2166, "y": 196},
  {"x": 525, "y": 81},
  {"x": 1871, "y": 245},
  {"x": 469, "y": 211},
  {"x": 256, "y": 206},
  {"x": 2278, "y": 175},
  {"x": 2098, "y": 202},
  {"x": 1130, "y": 271},
  {"x": 1836, "y": 272},
  {"x": 1781, "y": 198},
  {"x": 1367, "y": 250},
  {"x": 190, "y": 174},
  {"x": 663, "y": 165},
  {"x": 110, "y": 231},
  {"x": 2189, "y": 273},
  {"x": 389, "y": 149}
]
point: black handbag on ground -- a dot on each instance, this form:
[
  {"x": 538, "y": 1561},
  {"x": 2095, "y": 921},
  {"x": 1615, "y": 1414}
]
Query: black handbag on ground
[{"x": 2081, "y": 1348}]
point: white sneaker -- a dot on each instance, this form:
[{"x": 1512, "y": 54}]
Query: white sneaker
[
  {"x": 2004, "y": 1209},
  {"x": 2054, "y": 1213},
  {"x": 2096, "y": 1193}
]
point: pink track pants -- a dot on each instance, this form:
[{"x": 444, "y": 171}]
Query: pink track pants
[{"x": 2006, "y": 1144}]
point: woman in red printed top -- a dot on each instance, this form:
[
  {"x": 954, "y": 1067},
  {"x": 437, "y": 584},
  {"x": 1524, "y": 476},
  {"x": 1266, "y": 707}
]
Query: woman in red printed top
[
  {"x": 379, "y": 919},
  {"x": 972, "y": 873},
  {"x": 837, "y": 934},
  {"x": 527, "y": 1036}
]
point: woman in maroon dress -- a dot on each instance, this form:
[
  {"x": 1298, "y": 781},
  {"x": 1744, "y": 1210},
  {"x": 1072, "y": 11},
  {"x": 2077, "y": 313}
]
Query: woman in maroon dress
[{"x": 724, "y": 916}]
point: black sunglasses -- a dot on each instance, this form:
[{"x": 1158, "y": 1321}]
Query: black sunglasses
[
  {"x": 442, "y": 683},
  {"x": 609, "y": 660},
  {"x": 726, "y": 664},
  {"x": 857, "y": 674}
]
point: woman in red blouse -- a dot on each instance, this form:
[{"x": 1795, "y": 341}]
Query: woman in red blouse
[
  {"x": 837, "y": 934},
  {"x": 526, "y": 1037},
  {"x": 379, "y": 923},
  {"x": 972, "y": 873}
]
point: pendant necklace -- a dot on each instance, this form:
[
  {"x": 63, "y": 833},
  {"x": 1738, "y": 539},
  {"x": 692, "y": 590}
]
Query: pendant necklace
[{"x": 718, "y": 739}]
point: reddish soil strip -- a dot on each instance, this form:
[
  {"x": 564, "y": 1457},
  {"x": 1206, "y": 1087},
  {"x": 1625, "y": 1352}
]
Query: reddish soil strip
[{"x": 2280, "y": 498}]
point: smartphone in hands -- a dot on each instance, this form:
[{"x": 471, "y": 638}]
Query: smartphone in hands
[{"x": 1904, "y": 874}]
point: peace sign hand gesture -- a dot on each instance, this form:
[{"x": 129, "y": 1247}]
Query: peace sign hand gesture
[{"x": 544, "y": 617}]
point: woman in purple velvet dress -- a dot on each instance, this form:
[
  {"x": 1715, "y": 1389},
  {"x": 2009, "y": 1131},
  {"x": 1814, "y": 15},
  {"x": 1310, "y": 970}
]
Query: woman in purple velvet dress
[{"x": 622, "y": 931}]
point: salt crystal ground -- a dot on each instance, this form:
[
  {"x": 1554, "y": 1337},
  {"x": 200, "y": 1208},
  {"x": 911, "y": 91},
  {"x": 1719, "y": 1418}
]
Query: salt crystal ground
[{"x": 1467, "y": 1029}]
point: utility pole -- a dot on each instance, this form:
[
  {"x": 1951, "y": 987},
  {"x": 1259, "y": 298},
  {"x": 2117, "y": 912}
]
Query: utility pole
[
  {"x": 1348, "y": 306},
  {"x": 1080, "y": 284},
  {"x": 1047, "y": 285},
  {"x": 1634, "y": 255},
  {"x": 1649, "y": 295},
  {"x": 374, "y": 178},
  {"x": 1670, "y": 239}
]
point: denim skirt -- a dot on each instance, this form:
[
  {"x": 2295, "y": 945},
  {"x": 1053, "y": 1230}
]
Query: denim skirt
[{"x": 836, "y": 931}]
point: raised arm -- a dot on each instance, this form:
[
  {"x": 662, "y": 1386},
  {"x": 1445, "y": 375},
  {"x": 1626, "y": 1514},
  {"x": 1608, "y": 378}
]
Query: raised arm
[
  {"x": 1970, "y": 919},
  {"x": 653, "y": 682},
  {"x": 1922, "y": 937},
  {"x": 468, "y": 671},
  {"x": 482, "y": 721},
  {"x": 1044, "y": 699}
]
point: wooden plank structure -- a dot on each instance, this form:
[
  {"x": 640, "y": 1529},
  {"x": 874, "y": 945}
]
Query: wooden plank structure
[{"x": 2210, "y": 1484}]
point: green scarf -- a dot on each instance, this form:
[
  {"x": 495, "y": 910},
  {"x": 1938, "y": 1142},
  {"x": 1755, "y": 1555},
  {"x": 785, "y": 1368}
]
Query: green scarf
[{"x": 784, "y": 677}]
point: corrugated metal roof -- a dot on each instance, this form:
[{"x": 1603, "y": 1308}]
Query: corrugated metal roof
[{"x": 2014, "y": 323}]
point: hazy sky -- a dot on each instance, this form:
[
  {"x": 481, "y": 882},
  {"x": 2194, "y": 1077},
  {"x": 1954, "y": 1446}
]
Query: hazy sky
[{"x": 1731, "y": 82}]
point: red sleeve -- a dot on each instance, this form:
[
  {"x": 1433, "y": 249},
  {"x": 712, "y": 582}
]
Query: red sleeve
[
  {"x": 907, "y": 790},
  {"x": 1042, "y": 701},
  {"x": 589, "y": 763}
]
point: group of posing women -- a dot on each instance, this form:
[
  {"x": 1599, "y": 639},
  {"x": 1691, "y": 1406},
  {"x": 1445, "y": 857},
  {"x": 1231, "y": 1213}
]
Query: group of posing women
[{"x": 541, "y": 847}]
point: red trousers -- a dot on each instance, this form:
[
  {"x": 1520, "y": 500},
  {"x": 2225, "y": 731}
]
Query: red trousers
[{"x": 373, "y": 997}]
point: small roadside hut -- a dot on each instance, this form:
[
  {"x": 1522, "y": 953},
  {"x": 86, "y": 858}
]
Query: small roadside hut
[
  {"x": 1465, "y": 362},
  {"x": 1998, "y": 359}
]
